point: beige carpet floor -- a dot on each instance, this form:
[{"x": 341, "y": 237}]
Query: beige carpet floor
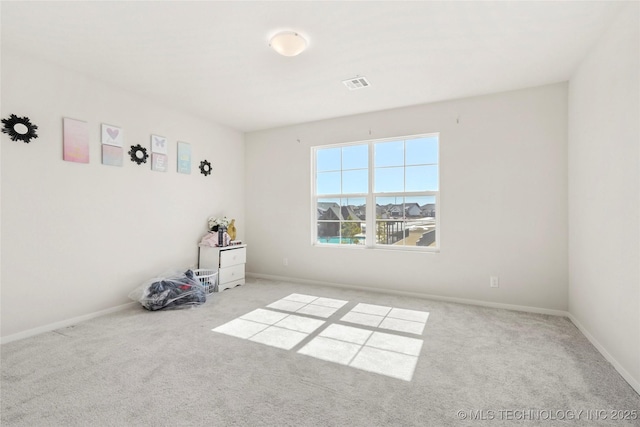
[{"x": 472, "y": 366}]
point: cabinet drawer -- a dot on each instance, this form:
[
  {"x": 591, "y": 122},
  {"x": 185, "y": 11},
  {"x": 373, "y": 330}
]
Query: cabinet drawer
[
  {"x": 233, "y": 257},
  {"x": 229, "y": 274}
]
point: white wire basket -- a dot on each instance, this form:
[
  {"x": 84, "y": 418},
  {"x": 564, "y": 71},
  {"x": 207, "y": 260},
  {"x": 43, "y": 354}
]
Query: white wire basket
[{"x": 207, "y": 278}]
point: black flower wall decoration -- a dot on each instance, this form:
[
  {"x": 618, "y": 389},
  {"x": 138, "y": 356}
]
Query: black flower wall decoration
[
  {"x": 19, "y": 128},
  {"x": 138, "y": 154},
  {"x": 205, "y": 168}
]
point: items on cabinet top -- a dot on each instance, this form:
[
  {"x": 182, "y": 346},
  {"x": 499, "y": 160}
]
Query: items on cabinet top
[{"x": 217, "y": 239}]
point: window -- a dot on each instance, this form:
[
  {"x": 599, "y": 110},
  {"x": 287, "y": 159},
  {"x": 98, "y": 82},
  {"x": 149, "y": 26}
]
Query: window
[{"x": 381, "y": 193}]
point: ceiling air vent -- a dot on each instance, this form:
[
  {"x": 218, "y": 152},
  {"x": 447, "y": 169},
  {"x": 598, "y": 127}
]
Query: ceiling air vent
[{"x": 356, "y": 83}]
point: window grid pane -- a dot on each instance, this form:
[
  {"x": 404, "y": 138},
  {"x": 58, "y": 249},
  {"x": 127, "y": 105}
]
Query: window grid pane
[
  {"x": 406, "y": 221},
  {"x": 389, "y": 180},
  {"x": 421, "y": 178},
  {"x": 418, "y": 170},
  {"x": 355, "y": 181},
  {"x": 389, "y": 153},
  {"x": 341, "y": 221},
  {"x": 328, "y": 159},
  {"x": 355, "y": 157},
  {"x": 422, "y": 151}
]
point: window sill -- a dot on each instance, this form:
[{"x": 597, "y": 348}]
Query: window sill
[{"x": 379, "y": 248}]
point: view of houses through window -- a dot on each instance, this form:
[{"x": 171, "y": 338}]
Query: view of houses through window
[{"x": 378, "y": 193}]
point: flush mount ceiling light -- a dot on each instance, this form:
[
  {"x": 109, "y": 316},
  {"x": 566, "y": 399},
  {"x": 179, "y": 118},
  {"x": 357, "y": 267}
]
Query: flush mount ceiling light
[{"x": 288, "y": 43}]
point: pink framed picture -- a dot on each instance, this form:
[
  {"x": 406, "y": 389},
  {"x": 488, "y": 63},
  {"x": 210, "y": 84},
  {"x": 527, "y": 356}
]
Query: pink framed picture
[{"x": 75, "y": 141}]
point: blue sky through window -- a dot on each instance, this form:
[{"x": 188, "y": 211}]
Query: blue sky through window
[{"x": 399, "y": 166}]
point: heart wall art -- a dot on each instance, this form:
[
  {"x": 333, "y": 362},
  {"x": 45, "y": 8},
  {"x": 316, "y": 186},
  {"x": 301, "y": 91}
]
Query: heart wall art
[{"x": 112, "y": 135}]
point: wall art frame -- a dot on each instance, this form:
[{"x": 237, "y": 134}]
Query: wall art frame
[
  {"x": 19, "y": 128},
  {"x": 205, "y": 168},
  {"x": 159, "y": 144},
  {"x": 138, "y": 154},
  {"x": 184, "y": 157},
  {"x": 75, "y": 140},
  {"x": 112, "y": 135}
]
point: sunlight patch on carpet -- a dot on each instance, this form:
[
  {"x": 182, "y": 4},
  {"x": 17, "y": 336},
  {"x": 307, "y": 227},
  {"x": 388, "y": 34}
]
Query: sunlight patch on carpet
[
  {"x": 308, "y": 304},
  {"x": 314, "y": 334},
  {"x": 395, "y": 319}
]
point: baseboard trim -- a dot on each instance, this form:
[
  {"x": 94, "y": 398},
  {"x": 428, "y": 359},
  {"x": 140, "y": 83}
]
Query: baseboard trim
[
  {"x": 523, "y": 308},
  {"x": 62, "y": 324},
  {"x": 633, "y": 382}
]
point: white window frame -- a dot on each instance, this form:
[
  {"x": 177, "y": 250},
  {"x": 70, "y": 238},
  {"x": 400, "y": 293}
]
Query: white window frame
[{"x": 370, "y": 198}]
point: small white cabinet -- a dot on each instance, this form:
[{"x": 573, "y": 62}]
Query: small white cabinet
[{"x": 228, "y": 260}]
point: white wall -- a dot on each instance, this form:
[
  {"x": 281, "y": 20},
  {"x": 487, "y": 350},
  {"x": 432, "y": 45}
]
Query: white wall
[
  {"x": 604, "y": 195},
  {"x": 77, "y": 238},
  {"x": 503, "y": 200}
]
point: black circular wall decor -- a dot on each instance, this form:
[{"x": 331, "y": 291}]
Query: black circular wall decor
[
  {"x": 205, "y": 168},
  {"x": 19, "y": 128},
  {"x": 138, "y": 154}
]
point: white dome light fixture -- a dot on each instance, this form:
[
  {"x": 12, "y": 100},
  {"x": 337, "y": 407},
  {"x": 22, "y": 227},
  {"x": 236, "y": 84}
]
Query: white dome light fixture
[{"x": 288, "y": 43}]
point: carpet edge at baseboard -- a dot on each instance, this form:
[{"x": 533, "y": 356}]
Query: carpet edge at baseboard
[
  {"x": 634, "y": 383},
  {"x": 524, "y": 308},
  {"x": 62, "y": 324}
]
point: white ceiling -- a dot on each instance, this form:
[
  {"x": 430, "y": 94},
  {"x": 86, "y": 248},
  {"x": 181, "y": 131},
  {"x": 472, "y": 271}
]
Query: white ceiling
[{"x": 212, "y": 59}]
